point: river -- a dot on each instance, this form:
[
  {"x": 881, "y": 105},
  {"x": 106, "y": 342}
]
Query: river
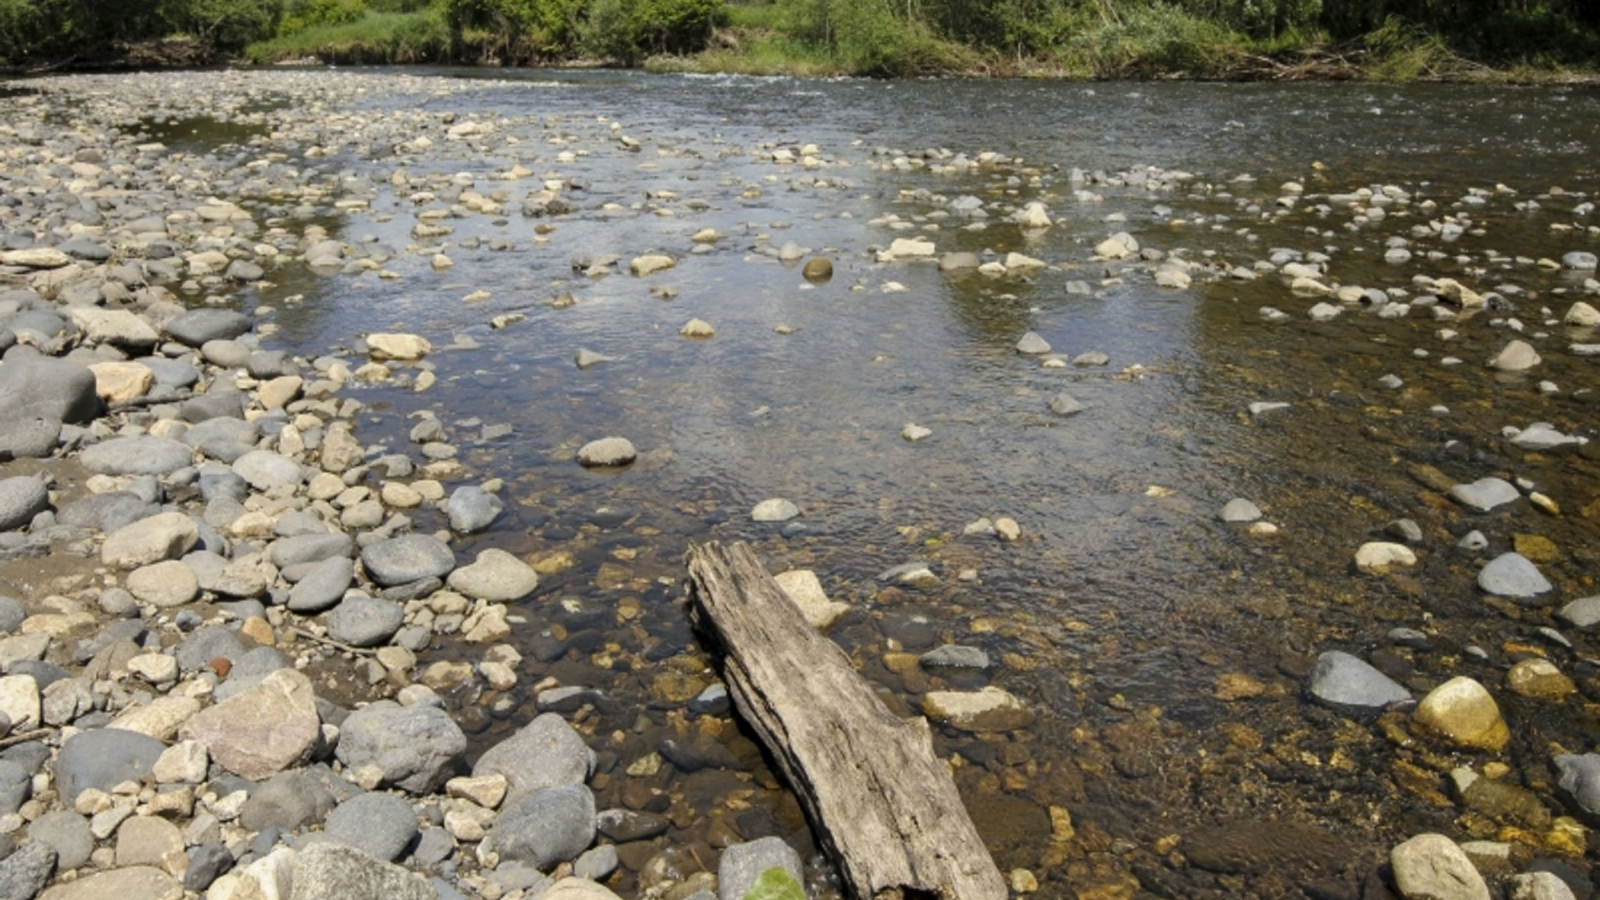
[{"x": 1164, "y": 651}]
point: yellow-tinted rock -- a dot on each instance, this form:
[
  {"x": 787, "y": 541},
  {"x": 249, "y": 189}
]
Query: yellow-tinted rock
[
  {"x": 1540, "y": 679},
  {"x": 1535, "y": 547},
  {"x": 119, "y": 382},
  {"x": 1462, "y": 712},
  {"x": 1237, "y": 686}
]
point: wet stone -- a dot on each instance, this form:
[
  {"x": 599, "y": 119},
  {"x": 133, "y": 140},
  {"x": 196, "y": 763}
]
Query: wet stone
[
  {"x": 1344, "y": 681},
  {"x": 1513, "y": 575}
]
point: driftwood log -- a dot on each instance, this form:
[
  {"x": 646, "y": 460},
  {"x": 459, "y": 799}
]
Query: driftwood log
[{"x": 883, "y": 805}]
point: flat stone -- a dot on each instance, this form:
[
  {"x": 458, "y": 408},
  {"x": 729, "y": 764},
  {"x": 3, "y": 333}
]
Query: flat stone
[
  {"x": 1064, "y": 405},
  {"x": 1432, "y": 867},
  {"x": 322, "y": 586},
  {"x": 988, "y": 709},
  {"x": 1462, "y": 712},
  {"x": 197, "y": 326},
  {"x": 1485, "y": 494},
  {"x": 379, "y": 825},
  {"x": 1344, "y": 681},
  {"x": 1579, "y": 779},
  {"x": 117, "y": 327},
  {"x": 408, "y": 558},
  {"x": 403, "y": 347},
  {"x": 120, "y": 382},
  {"x": 495, "y": 576},
  {"x": 607, "y": 452},
  {"x": 266, "y": 470},
  {"x": 365, "y": 621},
  {"x": 1378, "y": 557},
  {"x": 1513, "y": 575},
  {"x": 164, "y": 584},
  {"x": 102, "y": 759},
  {"x": 262, "y": 730},
  {"x": 138, "y": 455},
  {"x": 649, "y": 264},
  {"x": 162, "y": 536}
]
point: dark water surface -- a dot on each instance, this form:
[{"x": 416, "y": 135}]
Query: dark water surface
[{"x": 1126, "y": 599}]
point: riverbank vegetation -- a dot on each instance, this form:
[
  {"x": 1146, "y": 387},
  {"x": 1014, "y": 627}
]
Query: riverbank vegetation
[{"x": 1391, "y": 40}]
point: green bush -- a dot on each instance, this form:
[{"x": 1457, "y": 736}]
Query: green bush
[{"x": 321, "y": 14}]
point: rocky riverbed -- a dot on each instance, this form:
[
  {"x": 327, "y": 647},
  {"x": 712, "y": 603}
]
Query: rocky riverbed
[{"x": 290, "y": 616}]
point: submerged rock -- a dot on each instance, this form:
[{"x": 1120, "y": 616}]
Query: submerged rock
[
  {"x": 1344, "y": 681},
  {"x": 1462, "y": 712}
]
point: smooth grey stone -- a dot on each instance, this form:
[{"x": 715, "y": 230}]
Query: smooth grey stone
[
  {"x": 1344, "y": 681},
  {"x": 12, "y": 612},
  {"x": 291, "y": 524},
  {"x": 379, "y": 825},
  {"x": 1485, "y": 494},
  {"x": 222, "y": 429},
  {"x": 545, "y": 827},
  {"x": 1239, "y": 510},
  {"x": 596, "y": 863},
  {"x": 1580, "y": 260},
  {"x": 28, "y": 437},
  {"x": 288, "y": 801},
  {"x": 1064, "y": 404},
  {"x": 199, "y": 649},
  {"x": 545, "y": 753},
  {"x": 21, "y": 498},
  {"x": 68, "y": 833},
  {"x": 138, "y": 455},
  {"x": 743, "y": 864},
  {"x": 323, "y": 586},
  {"x": 331, "y": 871},
  {"x": 83, "y": 248},
  {"x": 365, "y": 621},
  {"x": 310, "y": 548},
  {"x": 625, "y": 825},
  {"x": 269, "y": 364},
  {"x": 1473, "y": 540},
  {"x": 415, "y": 747},
  {"x": 1513, "y": 575},
  {"x": 24, "y": 872},
  {"x": 103, "y": 759},
  {"x": 1031, "y": 344},
  {"x": 171, "y": 373},
  {"x": 197, "y": 326},
  {"x": 434, "y": 846},
  {"x": 265, "y": 470},
  {"x": 213, "y": 404},
  {"x": 16, "y": 786},
  {"x": 207, "y": 863},
  {"x": 1579, "y": 780},
  {"x": 407, "y": 558},
  {"x": 45, "y": 388},
  {"x": 955, "y": 656},
  {"x": 1582, "y": 614},
  {"x": 223, "y": 485},
  {"x": 106, "y": 512},
  {"x": 472, "y": 509},
  {"x": 1406, "y": 530}
]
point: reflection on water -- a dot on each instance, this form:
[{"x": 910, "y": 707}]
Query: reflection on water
[{"x": 1126, "y": 599}]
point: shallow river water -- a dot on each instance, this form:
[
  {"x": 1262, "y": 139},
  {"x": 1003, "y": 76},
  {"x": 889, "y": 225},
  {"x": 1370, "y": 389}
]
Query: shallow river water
[{"x": 1163, "y": 650}]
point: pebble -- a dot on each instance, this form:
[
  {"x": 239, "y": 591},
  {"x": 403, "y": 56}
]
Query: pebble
[{"x": 1513, "y": 575}]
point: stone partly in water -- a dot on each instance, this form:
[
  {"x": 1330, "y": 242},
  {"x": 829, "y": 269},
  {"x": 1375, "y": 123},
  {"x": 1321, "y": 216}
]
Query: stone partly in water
[
  {"x": 743, "y": 866},
  {"x": 1463, "y": 713},
  {"x": 1344, "y": 681},
  {"x": 1432, "y": 867},
  {"x": 402, "y": 347},
  {"x": 1485, "y": 494},
  {"x": 1517, "y": 356},
  {"x": 818, "y": 270},
  {"x": 806, "y": 591},
  {"x": 495, "y": 576},
  {"x": 607, "y": 452},
  {"x": 989, "y": 709},
  {"x": 1513, "y": 575},
  {"x": 774, "y": 510},
  {"x": 1378, "y": 557},
  {"x": 1032, "y": 344},
  {"x": 1579, "y": 780}
]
